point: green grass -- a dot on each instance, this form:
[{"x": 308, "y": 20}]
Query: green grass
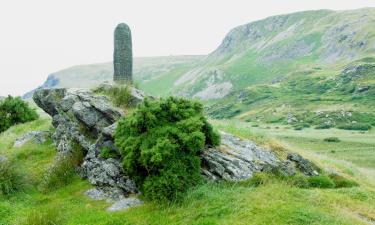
[
  {"x": 354, "y": 146},
  {"x": 274, "y": 202}
]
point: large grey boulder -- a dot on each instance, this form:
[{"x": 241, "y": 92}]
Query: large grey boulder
[
  {"x": 86, "y": 120},
  {"x": 236, "y": 159}
]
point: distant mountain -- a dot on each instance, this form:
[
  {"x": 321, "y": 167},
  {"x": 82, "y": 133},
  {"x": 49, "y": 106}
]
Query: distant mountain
[
  {"x": 269, "y": 70},
  {"x": 146, "y": 69}
]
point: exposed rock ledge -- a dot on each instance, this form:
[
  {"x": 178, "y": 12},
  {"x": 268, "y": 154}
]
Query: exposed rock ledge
[{"x": 82, "y": 119}]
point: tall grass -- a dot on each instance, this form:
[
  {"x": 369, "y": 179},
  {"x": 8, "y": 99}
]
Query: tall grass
[
  {"x": 11, "y": 180},
  {"x": 62, "y": 170},
  {"x": 119, "y": 94},
  {"x": 48, "y": 216}
]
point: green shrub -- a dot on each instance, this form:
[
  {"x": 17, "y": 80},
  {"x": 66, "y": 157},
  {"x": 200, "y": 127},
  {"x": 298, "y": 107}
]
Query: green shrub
[
  {"x": 321, "y": 181},
  {"x": 331, "y": 139},
  {"x": 342, "y": 182},
  {"x": 62, "y": 170},
  {"x": 107, "y": 153},
  {"x": 323, "y": 126},
  {"x": 299, "y": 180},
  {"x": 355, "y": 126},
  {"x": 298, "y": 127},
  {"x": 46, "y": 216},
  {"x": 14, "y": 111},
  {"x": 160, "y": 143},
  {"x": 11, "y": 180}
]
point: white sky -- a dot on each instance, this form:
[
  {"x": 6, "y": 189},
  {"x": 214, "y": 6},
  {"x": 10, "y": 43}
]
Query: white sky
[{"x": 39, "y": 37}]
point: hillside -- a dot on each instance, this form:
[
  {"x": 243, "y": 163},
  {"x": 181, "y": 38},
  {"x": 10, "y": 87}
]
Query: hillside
[
  {"x": 288, "y": 69},
  {"x": 158, "y": 70}
]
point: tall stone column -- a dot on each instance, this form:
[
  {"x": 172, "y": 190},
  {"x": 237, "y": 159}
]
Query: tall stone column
[{"x": 123, "y": 54}]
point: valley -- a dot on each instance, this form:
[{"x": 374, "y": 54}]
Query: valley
[{"x": 291, "y": 96}]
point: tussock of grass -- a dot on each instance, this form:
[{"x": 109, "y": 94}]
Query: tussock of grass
[
  {"x": 62, "y": 170},
  {"x": 119, "y": 94},
  {"x": 11, "y": 180},
  {"x": 45, "y": 216}
]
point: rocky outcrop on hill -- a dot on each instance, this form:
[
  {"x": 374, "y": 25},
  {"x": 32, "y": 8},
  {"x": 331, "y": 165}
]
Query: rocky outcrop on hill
[
  {"x": 238, "y": 159},
  {"x": 86, "y": 121}
]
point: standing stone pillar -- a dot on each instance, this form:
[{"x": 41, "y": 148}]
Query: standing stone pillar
[{"x": 123, "y": 55}]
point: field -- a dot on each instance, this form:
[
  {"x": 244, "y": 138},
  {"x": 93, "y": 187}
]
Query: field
[{"x": 275, "y": 202}]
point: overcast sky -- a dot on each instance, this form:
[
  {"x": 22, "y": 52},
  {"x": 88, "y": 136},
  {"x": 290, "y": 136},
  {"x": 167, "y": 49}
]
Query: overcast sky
[{"x": 39, "y": 37}]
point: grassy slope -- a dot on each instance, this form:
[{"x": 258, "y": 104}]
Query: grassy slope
[
  {"x": 287, "y": 60},
  {"x": 155, "y": 75},
  {"x": 272, "y": 203}
]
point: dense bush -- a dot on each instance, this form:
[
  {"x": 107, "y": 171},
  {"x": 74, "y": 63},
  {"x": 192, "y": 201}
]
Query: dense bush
[
  {"x": 355, "y": 126},
  {"x": 331, "y": 139},
  {"x": 323, "y": 126},
  {"x": 11, "y": 180},
  {"x": 321, "y": 181},
  {"x": 342, "y": 182},
  {"x": 13, "y": 111},
  {"x": 161, "y": 142}
]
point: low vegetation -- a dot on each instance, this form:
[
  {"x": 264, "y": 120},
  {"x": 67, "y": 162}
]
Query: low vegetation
[
  {"x": 284, "y": 201},
  {"x": 14, "y": 110},
  {"x": 299, "y": 180},
  {"x": 11, "y": 180},
  {"x": 332, "y": 139},
  {"x": 119, "y": 94},
  {"x": 43, "y": 216},
  {"x": 160, "y": 144},
  {"x": 61, "y": 172}
]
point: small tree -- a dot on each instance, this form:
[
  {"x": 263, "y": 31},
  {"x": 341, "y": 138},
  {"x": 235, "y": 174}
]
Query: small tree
[
  {"x": 13, "y": 111},
  {"x": 161, "y": 144}
]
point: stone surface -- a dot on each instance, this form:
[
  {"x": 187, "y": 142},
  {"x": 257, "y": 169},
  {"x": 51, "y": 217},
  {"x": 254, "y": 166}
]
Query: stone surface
[
  {"x": 103, "y": 193},
  {"x": 3, "y": 158},
  {"x": 83, "y": 119},
  {"x": 236, "y": 159},
  {"x": 305, "y": 166},
  {"x": 123, "y": 54},
  {"x": 37, "y": 137},
  {"x": 124, "y": 203}
]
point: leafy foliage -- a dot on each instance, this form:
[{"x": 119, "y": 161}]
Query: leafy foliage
[
  {"x": 14, "y": 110},
  {"x": 160, "y": 144}
]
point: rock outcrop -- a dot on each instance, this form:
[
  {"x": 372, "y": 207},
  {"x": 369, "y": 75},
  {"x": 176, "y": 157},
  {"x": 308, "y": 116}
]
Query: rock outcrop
[
  {"x": 238, "y": 159},
  {"x": 84, "y": 120},
  {"x": 37, "y": 137}
]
